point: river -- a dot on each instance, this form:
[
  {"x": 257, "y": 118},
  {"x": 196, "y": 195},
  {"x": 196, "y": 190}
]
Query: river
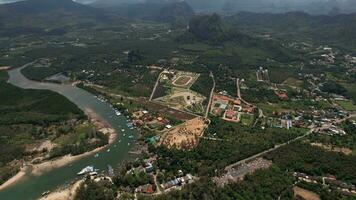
[{"x": 31, "y": 187}]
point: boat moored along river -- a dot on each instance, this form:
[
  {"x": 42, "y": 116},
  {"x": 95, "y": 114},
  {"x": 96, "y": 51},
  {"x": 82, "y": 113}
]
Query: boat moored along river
[{"x": 31, "y": 187}]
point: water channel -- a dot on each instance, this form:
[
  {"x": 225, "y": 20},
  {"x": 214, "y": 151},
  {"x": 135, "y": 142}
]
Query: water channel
[{"x": 31, "y": 187}]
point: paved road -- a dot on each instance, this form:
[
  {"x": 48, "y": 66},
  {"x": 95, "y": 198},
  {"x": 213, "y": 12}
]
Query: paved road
[
  {"x": 267, "y": 151},
  {"x": 156, "y": 84},
  {"x": 326, "y": 126},
  {"x": 211, "y": 96}
]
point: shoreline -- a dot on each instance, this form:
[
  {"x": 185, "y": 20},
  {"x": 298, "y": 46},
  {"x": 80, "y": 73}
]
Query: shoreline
[
  {"x": 67, "y": 193},
  {"x": 46, "y": 166}
]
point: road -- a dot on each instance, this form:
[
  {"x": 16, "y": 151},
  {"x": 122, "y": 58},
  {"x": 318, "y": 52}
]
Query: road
[
  {"x": 239, "y": 92},
  {"x": 266, "y": 151},
  {"x": 156, "y": 84},
  {"x": 211, "y": 96},
  {"x": 313, "y": 129},
  {"x": 238, "y": 88},
  {"x": 211, "y": 138}
]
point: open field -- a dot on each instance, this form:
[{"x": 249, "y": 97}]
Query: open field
[
  {"x": 182, "y": 80},
  {"x": 347, "y": 105},
  {"x": 305, "y": 194},
  {"x": 247, "y": 119},
  {"x": 173, "y": 91},
  {"x": 153, "y": 106},
  {"x": 184, "y": 136},
  {"x": 343, "y": 150},
  {"x": 293, "y": 82},
  {"x": 182, "y": 99},
  {"x": 237, "y": 173}
]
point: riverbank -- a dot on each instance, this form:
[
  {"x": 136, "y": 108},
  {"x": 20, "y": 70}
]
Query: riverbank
[
  {"x": 39, "y": 169},
  {"x": 19, "y": 176},
  {"x": 66, "y": 194}
]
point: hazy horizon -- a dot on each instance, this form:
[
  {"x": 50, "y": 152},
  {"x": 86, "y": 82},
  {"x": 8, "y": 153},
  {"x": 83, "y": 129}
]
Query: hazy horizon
[{"x": 269, "y": 6}]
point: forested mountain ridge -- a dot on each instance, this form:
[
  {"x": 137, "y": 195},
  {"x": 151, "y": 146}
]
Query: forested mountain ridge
[
  {"x": 42, "y": 6},
  {"x": 338, "y": 30}
]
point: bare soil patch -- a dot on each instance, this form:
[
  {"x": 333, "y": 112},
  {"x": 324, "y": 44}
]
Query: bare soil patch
[
  {"x": 305, "y": 194},
  {"x": 186, "y": 135},
  {"x": 343, "y": 150}
]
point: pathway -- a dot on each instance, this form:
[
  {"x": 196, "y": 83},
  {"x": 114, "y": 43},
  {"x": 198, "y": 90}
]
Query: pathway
[
  {"x": 156, "y": 84},
  {"x": 211, "y": 96}
]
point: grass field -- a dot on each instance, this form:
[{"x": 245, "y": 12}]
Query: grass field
[
  {"x": 247, "y": 119},
  {"x": 293, "y": 82},
  {"x": 347, "y": 105},
  {"x": 351, "y": 91},
  {"x": 183, "y": 80}
]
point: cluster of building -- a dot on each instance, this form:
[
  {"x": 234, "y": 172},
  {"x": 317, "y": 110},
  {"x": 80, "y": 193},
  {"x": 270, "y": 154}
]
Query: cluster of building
[
  {"x": 147, "y": 168},
  {"x": 173, "y": 184},
  {"x": 262, "y": 75},
  {"x": 146, "y": 189},
  {"x": 350, "y": 59},
  {"x": 88, "y": 73},
  {"x": 144, "y": 118},
  {"x": 321, "y": 118},
  {"x": 230, "y": 109},
  {"x": 283, "y": 122},
  {"x": 282, "y": 95},
  {"x": 327, "y": 56},
  {"x": 334, "y": 130},
  {"x": 330, "y": 181}
]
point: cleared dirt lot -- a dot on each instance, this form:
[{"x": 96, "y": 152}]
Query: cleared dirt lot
[
  {"x": 184, "y": 136},
  {"x": 305, "y": 194},
  {"x": 343, "y": 150},
  {"x": 238, "y": 173}
]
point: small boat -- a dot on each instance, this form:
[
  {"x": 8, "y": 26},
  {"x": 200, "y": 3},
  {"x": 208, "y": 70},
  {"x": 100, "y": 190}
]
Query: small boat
[
  {"x": 108, "y": 150},
  {"x": 128, "y": 144},
  {"x": 110, "y": 170},
  {"x": 119, "y": 140},
  {"x": 96, "y": 155},
  {"x": 93, "y": 173},
  {"x": 131, "y": 136},
  {"x": 123, "y": 130},
  {"x": 45, "y": 193},
  {"x": 124, "y": 135},
  {"x": 86, "y": 170}
]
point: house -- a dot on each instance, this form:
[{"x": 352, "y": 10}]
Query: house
[
  {"x": 230, "y": 114},
  {"x": 147, "y": 189},
  {"x": 282, "y": 95},
  {"x": 286, "y": 123},
  {"x": 149, "y": 168}
]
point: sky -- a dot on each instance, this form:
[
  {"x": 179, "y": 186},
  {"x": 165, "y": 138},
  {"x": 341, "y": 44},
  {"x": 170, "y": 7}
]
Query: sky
[{"x": 9, "y": 1}]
